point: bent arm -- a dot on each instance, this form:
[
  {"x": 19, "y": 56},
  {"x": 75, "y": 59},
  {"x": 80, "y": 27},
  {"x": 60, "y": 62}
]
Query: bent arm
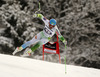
[
  {"x": 59, "y": 35},
  {"x": 41, "y": 17}
]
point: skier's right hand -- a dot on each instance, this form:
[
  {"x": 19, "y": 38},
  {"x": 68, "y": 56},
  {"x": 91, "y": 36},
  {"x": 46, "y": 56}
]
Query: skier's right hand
[
  {"x": 38, "y": 15},
  {"x": 35, "y": 15}
]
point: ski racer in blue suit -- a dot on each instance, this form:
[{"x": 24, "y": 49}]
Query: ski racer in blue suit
[{"x": 42, "y": 37}]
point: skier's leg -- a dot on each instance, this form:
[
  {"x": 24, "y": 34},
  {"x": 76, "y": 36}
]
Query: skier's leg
[
  {"x": 28, "y": 43},
  {"x": 29, "y": 51},
  {"x": 38, "y": 44},
  {"x": 34, "y": 40},
  {"x": 42, "y": 40},
  {"x": 17, "y": 50}
]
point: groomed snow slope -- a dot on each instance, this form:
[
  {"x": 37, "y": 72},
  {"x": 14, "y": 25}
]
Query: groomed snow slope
[{"x": 12, "y": 66}]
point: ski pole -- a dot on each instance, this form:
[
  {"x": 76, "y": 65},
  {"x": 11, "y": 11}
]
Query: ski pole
[
  {"x": 65, "y": 60},
  {"x": 39, "y": 7},
  {"x": 65, "y": 65}
]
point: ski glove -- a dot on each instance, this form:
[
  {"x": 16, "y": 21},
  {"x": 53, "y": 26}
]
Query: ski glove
[
  {"x": 38, "y": 15},
  {"x": 63, "y": 40},
  {"x": 65, "y": 43}
]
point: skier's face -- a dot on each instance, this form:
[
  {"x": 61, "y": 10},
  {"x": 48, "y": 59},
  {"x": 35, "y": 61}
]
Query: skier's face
[{"x": 51, "y": 26}]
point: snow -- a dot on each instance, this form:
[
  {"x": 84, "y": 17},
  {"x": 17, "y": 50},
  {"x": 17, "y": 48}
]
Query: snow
[{"x": 13, "y": 66}]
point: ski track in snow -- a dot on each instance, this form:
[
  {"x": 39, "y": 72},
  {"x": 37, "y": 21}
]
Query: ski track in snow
[{"x": 13, "y": 66}]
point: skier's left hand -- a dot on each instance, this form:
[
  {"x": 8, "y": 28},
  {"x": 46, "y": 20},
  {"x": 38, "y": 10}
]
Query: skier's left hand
[
  {"x": 65, "y": 43},
  {"x": 35, "y": 15}
]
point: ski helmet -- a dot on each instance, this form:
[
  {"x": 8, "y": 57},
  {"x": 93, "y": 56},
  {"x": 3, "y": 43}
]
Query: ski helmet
[{"x": 53, "y": 22}]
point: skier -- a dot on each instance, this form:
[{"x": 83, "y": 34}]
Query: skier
[{"x": 43, "y": 37}]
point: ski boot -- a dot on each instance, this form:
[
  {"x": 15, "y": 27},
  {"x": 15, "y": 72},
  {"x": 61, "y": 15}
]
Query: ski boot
[
  {"x": 17, "y": 50},
  {"x": 27, "y": 53}
]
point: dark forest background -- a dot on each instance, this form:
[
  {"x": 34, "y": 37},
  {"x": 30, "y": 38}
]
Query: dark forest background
[{"x": 78, "y": 21}]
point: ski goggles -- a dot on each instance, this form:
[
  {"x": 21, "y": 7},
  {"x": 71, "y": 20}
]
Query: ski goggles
[{"x": 51, "y": 25}]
